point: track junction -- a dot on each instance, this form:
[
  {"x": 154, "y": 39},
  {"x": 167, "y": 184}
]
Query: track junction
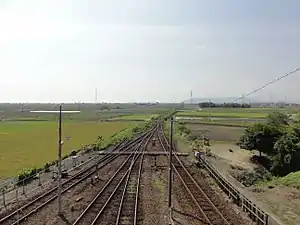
[{"x": 114, "y": 189}]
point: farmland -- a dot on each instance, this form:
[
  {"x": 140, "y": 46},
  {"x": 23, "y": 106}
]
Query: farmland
[
  {"x": 30, "y": 139},
  {"x": 226, "y": 124},
  {"x": 135, "y": 117},
  {"x": 28, "y": 144},
  {"x": 223, "y": 114},
  {"x": 217, "y": 133},
  {"x": 239, "y": 113},
  {"x": 238, "y": 117}
]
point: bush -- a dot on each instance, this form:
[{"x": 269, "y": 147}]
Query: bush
[
  {"x": 64, "y": 157},
  {"x": 47, "y": 167},
  {"x": 261, "y": 160},
  {"x": 27, "y": 175},
  {"x": 73, "y": 153}
]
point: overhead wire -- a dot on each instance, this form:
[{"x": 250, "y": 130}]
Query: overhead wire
[{"x": 267, "y": 84}]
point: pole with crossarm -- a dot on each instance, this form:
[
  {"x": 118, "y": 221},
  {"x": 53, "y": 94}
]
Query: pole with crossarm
[{"x": 59, "y": 183}]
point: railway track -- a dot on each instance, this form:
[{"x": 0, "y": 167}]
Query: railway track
[
  {"x": 49, "y": 196},
  {"x": 121, "y": 192},
  {"x": 207, "y": 210},
  {"x": 128, "y": 209}
]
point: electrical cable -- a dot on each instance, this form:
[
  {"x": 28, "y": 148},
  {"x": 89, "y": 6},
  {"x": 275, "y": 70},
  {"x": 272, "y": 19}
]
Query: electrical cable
[{"x": 267, "y": 84}]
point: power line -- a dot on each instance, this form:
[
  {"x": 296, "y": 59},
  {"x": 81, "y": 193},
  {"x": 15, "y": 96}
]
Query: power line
[{"x": 267, "y": 84}]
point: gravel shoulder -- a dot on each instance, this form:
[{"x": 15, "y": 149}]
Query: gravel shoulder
[{"x": 75, "y": 200}]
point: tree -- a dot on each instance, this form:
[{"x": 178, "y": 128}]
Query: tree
[
  {"x": 206, "y": 105},
  {"x": 279, "y": 138},
  {"x": 287, "y": 156},
  {"x": 261, "y": 137},
  {"x": 278, "y": 119}
]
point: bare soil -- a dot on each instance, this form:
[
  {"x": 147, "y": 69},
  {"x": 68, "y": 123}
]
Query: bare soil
[
  {"x": 217, "y": 133},
  {"x": 235, "y": 157}
]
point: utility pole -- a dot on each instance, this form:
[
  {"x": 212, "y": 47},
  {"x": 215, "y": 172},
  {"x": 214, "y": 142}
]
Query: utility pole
[
  {"x": 59, "y": 163},
  {"x": 170, "y": 165},
  {"x": 60, "y": 143}
]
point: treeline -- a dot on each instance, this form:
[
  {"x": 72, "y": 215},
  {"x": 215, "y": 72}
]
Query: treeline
[
  {"x": 223, "y": 105},
  {"x": 278, "y": 139}
]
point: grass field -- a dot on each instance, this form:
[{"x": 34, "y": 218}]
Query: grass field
[
  {"x": 28, "y": 144},
  {"x": 291, "y": 180}
]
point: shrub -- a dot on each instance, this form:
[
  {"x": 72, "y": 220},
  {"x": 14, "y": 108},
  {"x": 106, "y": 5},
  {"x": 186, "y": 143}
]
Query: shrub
[
  {"x": 47, "y": 167},
  {"x": 73, "y": 153},
  {"x": 27, "y": 175}
]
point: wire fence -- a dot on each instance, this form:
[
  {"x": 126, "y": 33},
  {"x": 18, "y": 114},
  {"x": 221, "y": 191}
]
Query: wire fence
[
  {"x": 255, "y": 213},
  {"x": 12, "y": 191}
]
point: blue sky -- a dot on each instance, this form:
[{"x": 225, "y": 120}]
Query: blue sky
[{"x": 147, "y": 50}]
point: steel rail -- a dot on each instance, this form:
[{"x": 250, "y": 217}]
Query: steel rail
[
  {"x": 123, "y": 184},
  {"x": 184, "y": 178},
  {"x": 81, "y": 219},
  {"x": 105, "y": 160},
  {"x": 122, "y": 213}
]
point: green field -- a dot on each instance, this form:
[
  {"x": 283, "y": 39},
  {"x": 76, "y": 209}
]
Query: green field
[
  {"x": 250, "y": 113},
  {"x": 89, "y": 111},
  {"x": 228, "y": 123},
  {"x": 135, "y": 117},
  {"x": 28, "y": 144},
  {"x": 222, "y": 114}
]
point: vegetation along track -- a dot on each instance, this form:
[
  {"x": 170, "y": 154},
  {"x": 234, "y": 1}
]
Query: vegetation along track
[
  {"x": 208, "y": 211},
  {"x": 120, "y": 192},
  {"x": 30, "y": 208}
]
